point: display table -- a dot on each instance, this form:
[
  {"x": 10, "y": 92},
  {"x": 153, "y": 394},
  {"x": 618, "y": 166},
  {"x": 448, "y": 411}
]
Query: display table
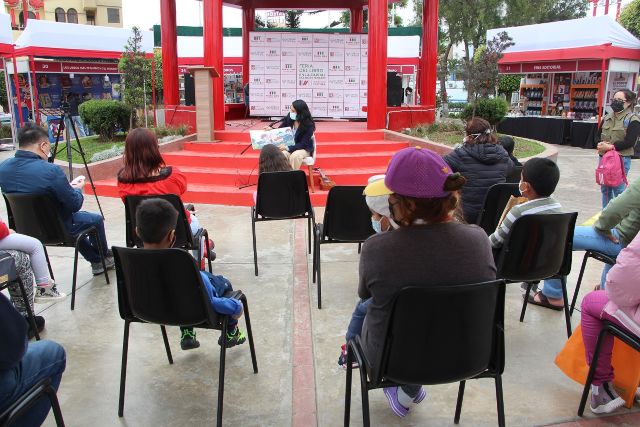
[{"x": 552, "y": 130}]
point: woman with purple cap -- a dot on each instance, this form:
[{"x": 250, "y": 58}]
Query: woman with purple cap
[{"x": 423, "y": 196}]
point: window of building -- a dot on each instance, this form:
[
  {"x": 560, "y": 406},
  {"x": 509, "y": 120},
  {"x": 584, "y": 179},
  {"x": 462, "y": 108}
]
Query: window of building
[
  {"x": 72, "y": 16},
  {"x": 60, "y": 15},
  {"x": 113, "y": 15},
  {"x": 30, "y": 15},
  {"x": 91, "y": 18}
]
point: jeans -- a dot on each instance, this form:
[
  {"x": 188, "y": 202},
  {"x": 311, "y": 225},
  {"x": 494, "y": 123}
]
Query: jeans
[
  {"x": 586, "y": 238},
  {"x": 88, "y": 246},
  {"x": 609, "y": 193},
  {"x": 357, "y": 319},
  {"x": 79, "y": 127},
  {"x": 43, "y": 359}
]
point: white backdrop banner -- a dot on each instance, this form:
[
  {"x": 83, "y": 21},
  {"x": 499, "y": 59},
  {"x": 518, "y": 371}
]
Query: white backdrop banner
[{"x": 327, "y": 71}]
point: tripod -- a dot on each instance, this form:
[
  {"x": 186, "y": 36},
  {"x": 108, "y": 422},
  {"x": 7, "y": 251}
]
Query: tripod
[{"x": 54, "y": 151}]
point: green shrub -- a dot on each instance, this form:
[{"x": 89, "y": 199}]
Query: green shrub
[
  {"x": 162, "y": 131},
  {"x": 5, "y": 131},
  {"x": 491, "y": 109},
  {"x": 105, "y": 116},
  {"x": 457, "y": 105}
]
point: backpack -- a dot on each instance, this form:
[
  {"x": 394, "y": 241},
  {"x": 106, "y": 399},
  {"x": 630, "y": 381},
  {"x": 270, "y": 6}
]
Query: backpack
[{"x": 610, "y": 171}]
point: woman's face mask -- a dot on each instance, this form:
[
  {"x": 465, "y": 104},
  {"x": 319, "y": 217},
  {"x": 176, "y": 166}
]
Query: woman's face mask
[
  {"x": 293, "y": 115},
  {"x": 376, "y": 225}
]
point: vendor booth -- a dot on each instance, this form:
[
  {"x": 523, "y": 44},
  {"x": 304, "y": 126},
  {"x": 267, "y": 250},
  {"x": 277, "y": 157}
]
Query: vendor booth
[{"x": 570, "y": 71}]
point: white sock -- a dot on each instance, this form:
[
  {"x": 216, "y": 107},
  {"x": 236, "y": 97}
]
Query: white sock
[
  {"x": 404, "y": 399},
  {"x": 595, "y": 389}
]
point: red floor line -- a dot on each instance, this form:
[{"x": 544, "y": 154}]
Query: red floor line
[{"x": 304, "y": 410}]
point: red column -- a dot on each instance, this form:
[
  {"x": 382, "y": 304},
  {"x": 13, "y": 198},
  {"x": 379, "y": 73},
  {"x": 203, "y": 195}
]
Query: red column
[
  {"x": 248, "y": 25},
  {"x": 618, "y": 13},
  {"x": 377, "y": 87},
  {"x": 214, "y": 57},
  {"x": 34, "y": 89},
  {"x": 169, "y": 52},
  {"x": 357, "y": 18},
  {"x": 25, "y": 12},
  {"x": 429, "y": 57},
  {"x": 16, "y": 83},
  {"x": 595, "y": 7},
  {"x": 606, "y": 7}
]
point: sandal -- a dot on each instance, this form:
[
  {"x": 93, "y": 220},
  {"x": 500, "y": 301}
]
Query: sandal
[{"x": 544, "y": 301}]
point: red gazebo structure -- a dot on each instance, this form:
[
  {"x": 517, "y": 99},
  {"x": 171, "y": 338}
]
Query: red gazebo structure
[{"x": 377, "y": 58}]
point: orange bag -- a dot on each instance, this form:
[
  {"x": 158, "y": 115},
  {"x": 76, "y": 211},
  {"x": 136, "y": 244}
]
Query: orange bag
[{"x": 625, "y": 360}]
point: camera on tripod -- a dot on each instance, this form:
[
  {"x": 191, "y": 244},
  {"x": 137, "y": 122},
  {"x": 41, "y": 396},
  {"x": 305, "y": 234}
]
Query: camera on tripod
[{"x": 64, "y": 105}]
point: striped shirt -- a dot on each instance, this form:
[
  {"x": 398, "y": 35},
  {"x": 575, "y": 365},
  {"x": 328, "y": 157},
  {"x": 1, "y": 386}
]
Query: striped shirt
[{"x": 545, "y": 205}]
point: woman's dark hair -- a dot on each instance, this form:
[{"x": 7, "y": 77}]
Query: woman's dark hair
[
  {"x": 272, "y": 160},
  {"x": 479, "y": 132},
  {"x": 304, "y": 119},
  {"x": 141, "y": 155},
  {"x": 433, "y": 210},
  {"x": 629, "y": 96},
  {"x": 508, "y": 143}
]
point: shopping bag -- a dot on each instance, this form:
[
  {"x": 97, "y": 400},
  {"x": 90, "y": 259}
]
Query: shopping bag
[
  {"x": 513, "y": 201},
  {"x": 625, "y": 361}
]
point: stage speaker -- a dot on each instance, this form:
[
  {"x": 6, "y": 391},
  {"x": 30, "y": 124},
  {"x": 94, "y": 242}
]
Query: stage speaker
[
  {"x": 189, "y": 90},
  {"x": 395, "y": 92}
]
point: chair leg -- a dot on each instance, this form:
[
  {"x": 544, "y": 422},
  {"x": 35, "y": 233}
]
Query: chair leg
[
  {"x": 365, "y": 396},
  {"x": 55, "y": 405},
  {"x": 319, "y": 277},
  {"x": 309, "y": 233},
  {"x": 592, "y": 371},
  {"x": 102, "y": 256},
  {"x": 567, "y": 313},
  {"x": 575, "y": 292},
  {"x": 313, "y": 256},
  {"x": 75, "y": 276},
  {"x": 205, "y": 233},
  {"x": 311, "y": 180},
  {"x": 247, "y": 321},
  {"x": 526, "y": 300},
  {"x": 347, "y": 392},
  {"x": 255, "y": 253},
  {"x": 30, "y": 315},
  {"x": 123, "y": 369},
  {"x": 166, "y": 344},
  {"x": 359, "y": 247},
  {"x": 46, "y": 254},
  {"x": 223, "y": 351},
  {"x": 456, "y": 418},
  {"x": 500, "y": 401}
]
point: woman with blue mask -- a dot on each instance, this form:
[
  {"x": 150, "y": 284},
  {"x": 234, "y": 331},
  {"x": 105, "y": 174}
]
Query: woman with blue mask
[{"x": 299, "y": 119}]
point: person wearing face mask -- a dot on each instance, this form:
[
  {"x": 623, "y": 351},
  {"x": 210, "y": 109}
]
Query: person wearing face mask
[
  {"x": 619, "y": 131},
  {"x": 29, "y": 172},
  {"x": 299, "y": 119}
]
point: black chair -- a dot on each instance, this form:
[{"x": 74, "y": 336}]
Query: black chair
[
  {"x": 590, "y": 253},
  {"x": 494, "y": 203},
  {"x": 281, "y": 195},
  {"x": 458, "y": 335},
  {"x": 514, "y": 175},
  {"x": 9, "y": 276},
  {"x": 347, "y": 219},
  {"x": 164, "y": 287},
  {"x": 623, "y": 335},
  {"x": 36, "y": 215},
  {"x": 42, "y": 389},
  {"x": 184, "y": 237},
  {"x": 539, "y": 247}
]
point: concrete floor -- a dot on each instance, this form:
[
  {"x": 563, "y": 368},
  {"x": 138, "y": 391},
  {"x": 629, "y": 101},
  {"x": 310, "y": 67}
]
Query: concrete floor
[{"x": 536, "y": 392}]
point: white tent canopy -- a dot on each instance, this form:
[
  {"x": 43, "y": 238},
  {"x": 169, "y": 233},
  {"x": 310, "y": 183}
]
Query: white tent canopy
[
  {"x": 6, "y": 36},
  {"x": 583, "y": 32}
]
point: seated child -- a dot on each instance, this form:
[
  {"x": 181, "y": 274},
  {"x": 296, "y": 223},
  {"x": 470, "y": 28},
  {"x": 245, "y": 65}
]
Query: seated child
[
  {"x": 508, "y": 143},
  {"x": 156, "y": 221}
]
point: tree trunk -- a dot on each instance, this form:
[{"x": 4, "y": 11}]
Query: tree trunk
[
  {"x": 444, "y": 72},
  {"x": 467, "y": 61}
]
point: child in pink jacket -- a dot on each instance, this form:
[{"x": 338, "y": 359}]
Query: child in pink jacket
[{"x": 619, "y": 304}]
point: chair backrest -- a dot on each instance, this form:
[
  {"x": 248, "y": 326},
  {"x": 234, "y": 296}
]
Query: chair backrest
[
  {"x": 514, "y": 174},
  {"x": 36, "y": 215},
  {"x": 184, "y": 237},
  {"x": 494, "y": 203},
  {"x": 161, "y": 286},
  {"x": 538, "y": 247},
  {"x": 347, "y": 217},
  {"x": 456, "y": 333},
  {"x": 283, "y": 195}
]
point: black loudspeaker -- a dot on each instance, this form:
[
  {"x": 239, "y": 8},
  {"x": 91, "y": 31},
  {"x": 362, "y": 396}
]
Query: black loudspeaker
[
  {"x": 395, "y": 93},
  {"x": 189, "y": 90}
]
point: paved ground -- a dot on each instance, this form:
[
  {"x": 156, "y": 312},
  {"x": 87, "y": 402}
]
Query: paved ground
[{"x": 297, "y": 345}]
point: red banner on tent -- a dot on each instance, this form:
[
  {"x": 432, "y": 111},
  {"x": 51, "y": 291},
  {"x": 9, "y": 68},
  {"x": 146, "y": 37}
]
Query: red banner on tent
[
  {"x": 549, "y": 67},
  {"x": 90, "y": 68},
  {"x": 48, "y": 67},
  {"x": 590, "y": 65},
  {"x": 510, "y": 68}
]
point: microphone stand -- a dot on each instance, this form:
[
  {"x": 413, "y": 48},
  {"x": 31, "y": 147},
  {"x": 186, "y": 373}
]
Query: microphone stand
[{"x": 248, "y": 146}]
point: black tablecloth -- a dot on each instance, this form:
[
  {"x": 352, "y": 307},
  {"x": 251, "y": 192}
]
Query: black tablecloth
[
  {"x": 551, "y": 130},
  {"x": 583, "y": 134}
]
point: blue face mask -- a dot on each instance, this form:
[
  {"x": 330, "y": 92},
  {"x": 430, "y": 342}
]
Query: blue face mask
[
  {"x": 376, "y": 225},
  {"x": 293, "y": 116}
]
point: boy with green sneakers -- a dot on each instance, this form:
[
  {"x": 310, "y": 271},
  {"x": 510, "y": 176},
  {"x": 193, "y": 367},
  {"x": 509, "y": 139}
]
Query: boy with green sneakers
[{"x": 156, "y": 221}]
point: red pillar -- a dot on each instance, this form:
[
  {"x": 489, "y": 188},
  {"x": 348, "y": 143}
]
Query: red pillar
[
  {"x": 16, "y": 83},
  {"x": 618, "y": 13},
  {"x": 34, "y": 88},
  {"x": 25, "y": 12},
  {"x": 606, "y": 7},
  {"x": 429, "y": 57},
  {"x": 595, "y": 7},
  {"x": 213, "y": 56},
  {"x": 357, "y": 19},
  {"x": 169, "y": 52},
  {"x": 377, "y": 87},
  {"x": 248, "y": 25}
]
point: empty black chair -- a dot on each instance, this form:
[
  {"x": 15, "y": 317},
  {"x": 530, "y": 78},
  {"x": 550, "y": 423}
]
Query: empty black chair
[
  {"x": 590, "y": 253},
  {"x": 18, "y": 408},
  {"x": 347, "y": 219},
  {"x": 184, "y": 238},
  {"x": 514, "y": 175},
  {"x": 539, "y": 247},
  {"x": 36, "y": 215},
  {"x": 458, "y": 335},
  {"x": 164, "y": 287},
  {"x": 494, "y": 203},
  {"x": 281, "y": 195},
  {"x": 623, "y": 335},
  {"x": 8, "y": 276}
]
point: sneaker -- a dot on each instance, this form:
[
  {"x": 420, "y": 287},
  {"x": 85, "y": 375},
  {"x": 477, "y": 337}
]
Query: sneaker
[
  {"x": 39, "y": 325},
  {"x": 396, "y": 407},
  {"x": 236, "y": 338},
  {"x": 605, "y": 400},
  {"x": 96, "y": 267},
  {"x": 188, "y": 340},
  {"x": 48, "y": 294},
  {"x": 342, "y": 359},
  {"x": 421, "y": 395}
]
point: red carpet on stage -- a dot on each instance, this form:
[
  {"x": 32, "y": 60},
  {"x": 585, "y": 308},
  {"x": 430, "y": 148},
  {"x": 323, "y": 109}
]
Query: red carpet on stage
[{"x": 347, "y": 153}]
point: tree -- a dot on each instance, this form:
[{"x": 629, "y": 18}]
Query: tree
[
  {"x": 259, "y": 22},
  {"x": 134, "y": 68},
  {"x": 4, "y": 100},
  {"x": 292, "y": 18},
  {"x": 525, "y": 12},
  {"x": 630, "y": 17}
]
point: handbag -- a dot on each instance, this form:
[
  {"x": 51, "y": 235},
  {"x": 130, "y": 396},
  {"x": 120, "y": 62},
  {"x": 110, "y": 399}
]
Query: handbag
[{"x": 326, "y": 183}]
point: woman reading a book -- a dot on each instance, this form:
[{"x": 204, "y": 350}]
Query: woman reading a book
[{"x": 299, "y": 119}]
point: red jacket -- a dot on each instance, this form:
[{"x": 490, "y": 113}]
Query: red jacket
[{"x": 4, "y": 230}]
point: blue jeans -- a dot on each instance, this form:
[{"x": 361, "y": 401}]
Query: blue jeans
[
  {"x": 609, "y": 193},
  {"x": 89, "y": 246},
  {"x": 79, "y": 127},
  {"x": 357, "y": 319},
  {"x": 43, "y": 359},
  {"x": 586, "y": 238}
]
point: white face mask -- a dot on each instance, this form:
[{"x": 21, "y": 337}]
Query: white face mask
[
  {"x": 376, "y": 225},
  {"x": 520, "y": 188},
  {"x": 293, "y": 116}
]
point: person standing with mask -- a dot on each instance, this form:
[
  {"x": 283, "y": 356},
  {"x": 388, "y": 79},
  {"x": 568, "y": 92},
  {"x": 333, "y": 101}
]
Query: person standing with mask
[{"x": 619, "y": 131}]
